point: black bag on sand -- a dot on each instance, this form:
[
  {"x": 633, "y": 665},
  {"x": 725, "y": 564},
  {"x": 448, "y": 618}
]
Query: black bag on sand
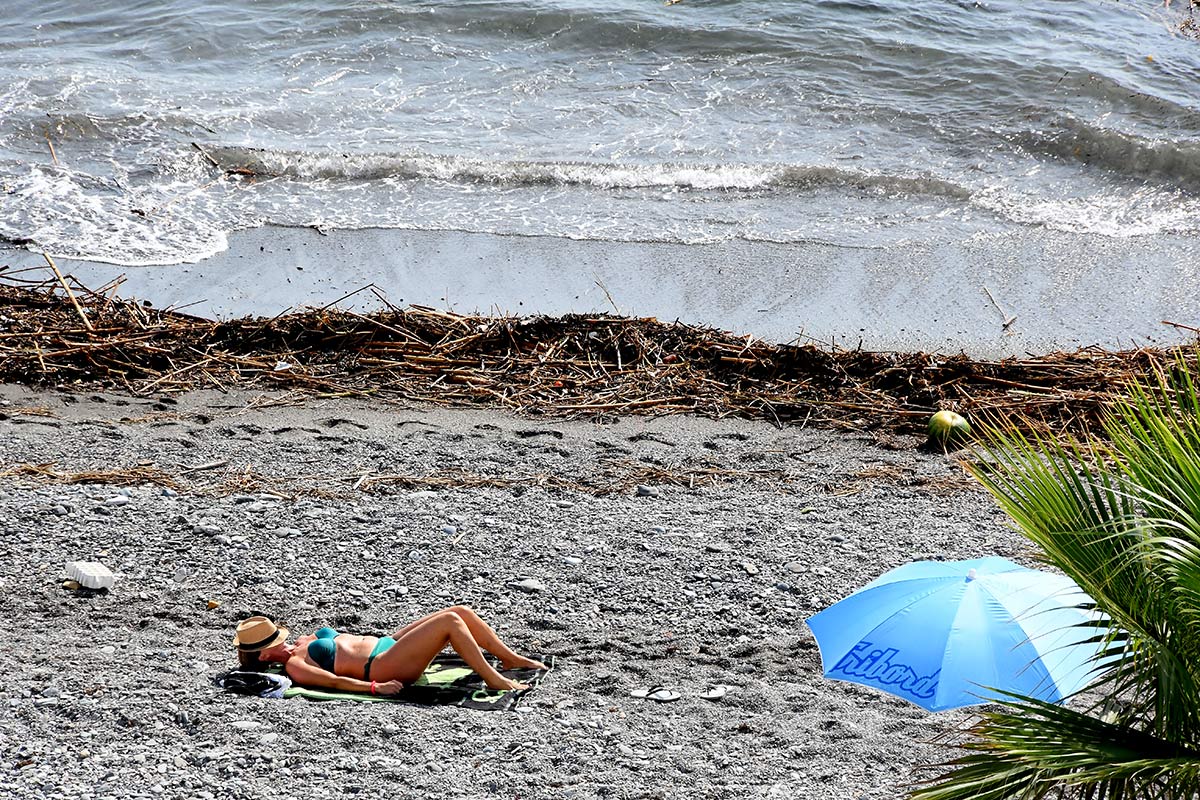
[{"x": 254, "y": 684}]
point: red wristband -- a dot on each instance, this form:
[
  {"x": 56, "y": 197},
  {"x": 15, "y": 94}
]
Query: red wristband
[{"x": 372, "y": 687}]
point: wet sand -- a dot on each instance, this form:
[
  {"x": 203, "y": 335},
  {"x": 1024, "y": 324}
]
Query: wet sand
[{"x": 1058, "y": 291}]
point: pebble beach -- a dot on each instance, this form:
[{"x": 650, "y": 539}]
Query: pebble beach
[
  {"x": 626, "y": 585},
  {"x": 305, "y": 312}
]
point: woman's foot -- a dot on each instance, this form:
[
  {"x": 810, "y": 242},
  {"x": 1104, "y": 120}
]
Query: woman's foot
[
  {"x": 506, "y": 684},
  {"x": 520, "y": 662}
]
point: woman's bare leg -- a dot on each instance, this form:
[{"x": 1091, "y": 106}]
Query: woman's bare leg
[
  {"x": 400, "y": 633},
  {"x": 490, "y": 641},
  {"x": 484, "y": 636},
  {"x": 412, "y": 652}
]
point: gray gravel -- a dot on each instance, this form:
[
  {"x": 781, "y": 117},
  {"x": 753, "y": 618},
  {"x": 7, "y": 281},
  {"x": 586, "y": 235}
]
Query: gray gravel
[{"x": 111, "y": 695}]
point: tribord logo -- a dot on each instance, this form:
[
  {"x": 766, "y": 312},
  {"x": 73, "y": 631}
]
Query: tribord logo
[{"x": 878, "y": 666}]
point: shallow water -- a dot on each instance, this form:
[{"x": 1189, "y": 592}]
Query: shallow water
[{"x": 858, "y": 124}]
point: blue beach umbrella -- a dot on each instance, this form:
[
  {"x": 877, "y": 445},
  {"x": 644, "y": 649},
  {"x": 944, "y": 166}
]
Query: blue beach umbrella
[{"x": 937, "y": 633}]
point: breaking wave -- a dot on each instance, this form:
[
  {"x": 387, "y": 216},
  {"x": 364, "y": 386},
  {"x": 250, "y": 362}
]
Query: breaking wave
[{"x": 708, "y": 177}]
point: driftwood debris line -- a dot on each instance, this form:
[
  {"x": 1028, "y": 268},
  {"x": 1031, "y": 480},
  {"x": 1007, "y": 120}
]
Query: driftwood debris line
[{"x": 573, "y": 366}]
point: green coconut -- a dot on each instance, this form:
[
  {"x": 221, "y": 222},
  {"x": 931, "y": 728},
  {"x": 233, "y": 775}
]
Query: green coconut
[{"x": 946, "y": 427}]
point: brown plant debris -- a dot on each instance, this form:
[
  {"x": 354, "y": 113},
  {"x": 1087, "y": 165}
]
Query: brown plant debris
[
  {"x": 614, "y": 479},
  {"x": 572, "y": 366},
  {"x": 49, "y": 473}
]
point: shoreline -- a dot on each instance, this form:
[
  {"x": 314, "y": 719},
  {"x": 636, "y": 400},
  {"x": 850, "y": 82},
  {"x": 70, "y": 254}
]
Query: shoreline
[
  {"x": 685, "y": 587},
  {"x": 1057, "y": 291}
]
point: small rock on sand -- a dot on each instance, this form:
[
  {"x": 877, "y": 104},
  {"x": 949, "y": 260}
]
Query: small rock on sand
[{"x": 529, "y": 585}]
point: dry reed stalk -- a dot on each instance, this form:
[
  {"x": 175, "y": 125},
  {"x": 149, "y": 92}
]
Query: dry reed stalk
[
  {"x": 86, "y": 322},
  {"x": 130, "y": 476}
]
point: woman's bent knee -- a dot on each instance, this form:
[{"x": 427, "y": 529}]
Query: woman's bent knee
[
  {"x": 450, "y": 619},
  {"x": 461, "y": 610}
]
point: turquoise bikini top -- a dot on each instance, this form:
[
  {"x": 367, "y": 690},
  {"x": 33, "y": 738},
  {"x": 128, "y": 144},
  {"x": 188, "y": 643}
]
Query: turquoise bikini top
[{"x": 323, "y": 650}]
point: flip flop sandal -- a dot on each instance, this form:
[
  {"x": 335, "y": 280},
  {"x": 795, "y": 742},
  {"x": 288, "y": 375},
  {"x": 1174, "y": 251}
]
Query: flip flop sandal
[
  {"x": 714, "y": 692},
  {"x": 658, "y": 694}
]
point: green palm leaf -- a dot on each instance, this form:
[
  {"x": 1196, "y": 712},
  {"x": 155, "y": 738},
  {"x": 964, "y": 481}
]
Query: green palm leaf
[{"x": 1122, "y": 518}]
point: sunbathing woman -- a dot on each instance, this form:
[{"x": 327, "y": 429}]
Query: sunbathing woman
[{"x": 379, "y": 665}]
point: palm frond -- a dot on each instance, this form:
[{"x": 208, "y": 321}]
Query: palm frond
[
  {"x": 1032, "y": 749},
  {"x": 1122, "y": 518}
]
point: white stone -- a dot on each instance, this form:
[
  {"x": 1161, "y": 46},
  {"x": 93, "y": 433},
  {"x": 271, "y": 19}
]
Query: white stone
[{"x": 90, "y": 574}]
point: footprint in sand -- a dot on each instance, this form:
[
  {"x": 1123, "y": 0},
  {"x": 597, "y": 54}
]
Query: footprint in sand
[
  {"x": 532, "y": 432},
  {"x": 284, "y": 431},
  {"x": 650, "y": 437},
  {"x": 33, "y": 421},
  {"x": 334, "y": 422}
]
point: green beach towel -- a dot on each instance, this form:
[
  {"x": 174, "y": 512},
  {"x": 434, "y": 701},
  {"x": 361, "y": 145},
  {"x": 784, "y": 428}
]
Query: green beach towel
[{"x": 447, "y": 681}]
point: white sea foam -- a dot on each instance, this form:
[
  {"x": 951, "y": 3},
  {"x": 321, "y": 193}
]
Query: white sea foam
[
  {"x": 1147, "y": 212},
  {"x": 78, "y": 217}
]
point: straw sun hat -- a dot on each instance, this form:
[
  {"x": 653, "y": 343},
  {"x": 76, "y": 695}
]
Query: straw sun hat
[{"x": 258, "y": 633}]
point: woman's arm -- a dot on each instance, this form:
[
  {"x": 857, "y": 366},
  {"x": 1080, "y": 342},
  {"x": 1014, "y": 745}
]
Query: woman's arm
[{"x": 309, "y": 675}]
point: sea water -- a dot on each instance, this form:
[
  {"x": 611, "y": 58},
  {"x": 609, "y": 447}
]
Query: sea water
[{"x": 144, "y": 132}]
